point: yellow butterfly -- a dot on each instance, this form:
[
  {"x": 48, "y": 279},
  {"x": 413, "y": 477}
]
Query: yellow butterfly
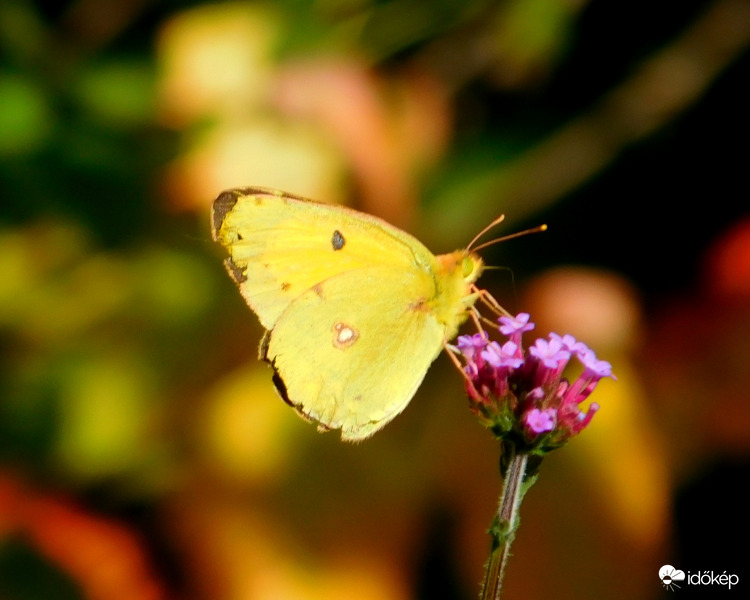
[{"x": 355, "y": 309}]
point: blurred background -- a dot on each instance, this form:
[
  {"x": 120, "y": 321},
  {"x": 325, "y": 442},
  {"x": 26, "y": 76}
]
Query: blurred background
[{"x": 143, "y": 452}]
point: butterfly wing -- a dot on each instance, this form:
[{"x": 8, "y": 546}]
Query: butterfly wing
[
  {"x": 351, "y": 351},
  {"x": 356, "y": 309},
  {"x": 282, "y": 245}
]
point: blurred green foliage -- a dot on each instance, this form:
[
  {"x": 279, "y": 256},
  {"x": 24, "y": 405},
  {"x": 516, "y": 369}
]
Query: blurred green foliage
[{"x": 23, "y": 574}]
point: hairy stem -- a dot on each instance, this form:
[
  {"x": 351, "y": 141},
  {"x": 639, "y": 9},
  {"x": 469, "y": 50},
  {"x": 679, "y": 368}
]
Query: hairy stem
[{"x": 505, "y": 523}]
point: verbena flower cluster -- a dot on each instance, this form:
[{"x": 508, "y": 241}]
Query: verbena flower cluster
[{"x": 521, "y": 395}]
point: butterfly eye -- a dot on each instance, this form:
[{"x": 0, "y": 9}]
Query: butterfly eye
[{"x": 467, "y": 266}]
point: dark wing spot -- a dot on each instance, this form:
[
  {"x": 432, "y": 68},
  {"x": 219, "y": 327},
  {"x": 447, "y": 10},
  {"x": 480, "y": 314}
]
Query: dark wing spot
[
  {"x": 222, "y": 205},
  {"x": 337, "y": 241},
  {"x": 285, "y": 286},
  {"x": 234, "y": 271}
]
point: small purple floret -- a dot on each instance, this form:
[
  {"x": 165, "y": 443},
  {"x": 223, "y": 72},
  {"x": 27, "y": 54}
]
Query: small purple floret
[
  {"x": 569, "y": 342},
  {"x": 515, "y": 325},
  {"x": 502, "y": 356},
  {"x": 550, "y": 353},
  {"x": 540, "y": 421},
  {"x": 469, "y": 344}
]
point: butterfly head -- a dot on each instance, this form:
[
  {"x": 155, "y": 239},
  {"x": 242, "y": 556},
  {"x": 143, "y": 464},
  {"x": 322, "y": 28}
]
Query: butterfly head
[
  {"x": 454, "y": 293},
  {"x": 462, "y": 267}
]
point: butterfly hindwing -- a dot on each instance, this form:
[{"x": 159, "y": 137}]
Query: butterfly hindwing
[{"x": 349, "y": 364}]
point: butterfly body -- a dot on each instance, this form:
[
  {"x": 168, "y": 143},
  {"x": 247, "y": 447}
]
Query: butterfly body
[{"x": 355, "y": 309}]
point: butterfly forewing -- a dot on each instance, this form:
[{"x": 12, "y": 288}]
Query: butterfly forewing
[{"x": 280, "y": 246}]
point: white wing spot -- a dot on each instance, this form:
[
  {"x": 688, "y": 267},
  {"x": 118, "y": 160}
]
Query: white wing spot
[{"x": 344, "y": 335}]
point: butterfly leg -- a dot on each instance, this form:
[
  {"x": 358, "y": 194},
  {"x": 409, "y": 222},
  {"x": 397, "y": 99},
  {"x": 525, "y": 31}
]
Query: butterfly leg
[
  {"x": 451, "y": 352},
  {"x": 489, "y": 301}
]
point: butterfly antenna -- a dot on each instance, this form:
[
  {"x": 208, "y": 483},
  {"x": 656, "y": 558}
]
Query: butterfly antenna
[
  {"x": 505, "y": 238},
  {"x": 497, "y": 221}
]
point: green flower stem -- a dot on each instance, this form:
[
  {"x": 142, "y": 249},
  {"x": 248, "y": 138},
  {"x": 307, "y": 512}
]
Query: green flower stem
[{"x": 505, "y": 522}]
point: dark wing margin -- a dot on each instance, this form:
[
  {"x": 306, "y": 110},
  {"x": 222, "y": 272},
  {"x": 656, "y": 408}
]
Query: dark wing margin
[
  {"x": 222, "y": 205},
  {"x": 278, "y": 382}
]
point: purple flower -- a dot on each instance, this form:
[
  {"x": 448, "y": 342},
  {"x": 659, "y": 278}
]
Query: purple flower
[
  {"x": 572, "y": 419},
  {"x": 552, "y": 354},
  {"x": 593, "y": 371},
  {"x": 515, "y": 325},
  {"x": 521, "y": 394},
  {"x": 470, "y": 344},
  {"x": 599, "y": 368},
  {"x": 569, "y": 342},
  {"x": 502, "y": 356},
  {"x": 540, "y": 421},
  {"x": 546, "y": 360}
]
